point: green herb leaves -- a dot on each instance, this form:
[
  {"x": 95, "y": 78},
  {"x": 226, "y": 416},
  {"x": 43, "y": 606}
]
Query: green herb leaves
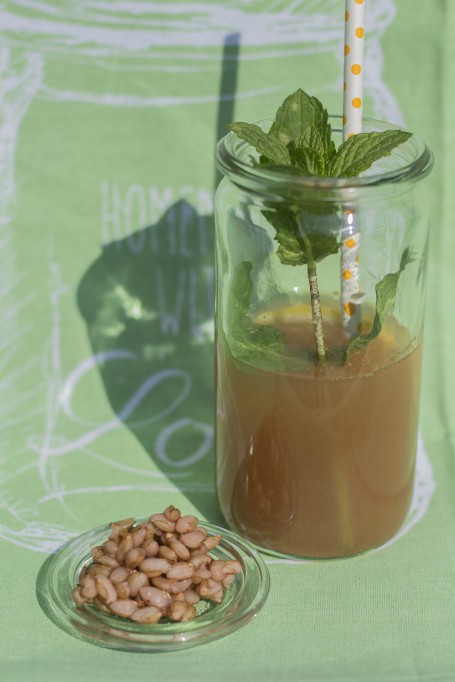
[
  {"x": 299, "y": 142},
  {"x": 249, "y": 342},
  {"x": 300, "y": 242},
  {"x": 359, "y": 152},
  {"x": 303, "y": 121},
  {"x": 301, "y": 136},
  {"x": 386, "y": 295},
  {"x": 267, "y": 145}
]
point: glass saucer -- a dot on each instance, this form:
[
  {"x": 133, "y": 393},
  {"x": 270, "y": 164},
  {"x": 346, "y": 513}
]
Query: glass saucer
[{"x": 240, "y": 604}]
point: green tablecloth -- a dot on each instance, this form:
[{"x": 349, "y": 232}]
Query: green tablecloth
[{"x": 109, "y": 112}]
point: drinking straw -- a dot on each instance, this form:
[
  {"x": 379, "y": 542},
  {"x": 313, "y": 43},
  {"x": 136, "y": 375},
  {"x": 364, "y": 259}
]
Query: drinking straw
[{"x": 352, "y": 124}]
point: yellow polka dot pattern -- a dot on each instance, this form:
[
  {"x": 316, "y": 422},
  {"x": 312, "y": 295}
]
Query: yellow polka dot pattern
[
  {"x": 350, "y": 273},
  {"x": 349, "y": 309},
  {"x": 353, "y": 66},
  {"x": 352, "y": 124}
]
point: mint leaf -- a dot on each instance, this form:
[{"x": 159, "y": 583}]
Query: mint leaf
[
  {"x": 308, "y": 159},
  {"x": 298, "y": 112},
  {"x": 267, "y": 145},
  {"x": 359, "y": 152},
  {"x": 291, "y": 234},
  {"x": 386, "y": 295},
  {"x": 247, "y": 341},
  {"x": 293, "y": 117},
  {"x": 326, "y": 136},
  {"x": 312, "y": 138},
  {"x": 320, "y": 139},
  {"x": 290, "y": 250},
  {"x": 310, "y": 153}
]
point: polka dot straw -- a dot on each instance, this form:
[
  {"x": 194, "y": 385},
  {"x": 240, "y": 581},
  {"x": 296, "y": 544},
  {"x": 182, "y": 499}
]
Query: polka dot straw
[
  {"x": 352, "y": 124},
  {"x": 353, "y": 67}
]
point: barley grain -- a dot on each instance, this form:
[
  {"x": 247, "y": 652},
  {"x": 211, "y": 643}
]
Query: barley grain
[
  {"x": 211, "y": 542},
  {"x": 134, "y": 557},
  {"x": 181, "y": 585},
  {"x": 123, "y": 590},
  {"x": 163, "y": 583},
  {"x": 199, "y": 560},
  {"x": 126, "y": 523},
  {"x": 177, "y": 610},
  {"x": 185, "y": 524},
  {"x": 98, "y": 569},
  {"x": 101, "y": 605},
  {"x": 154, "y": 566},
  {"x": 119, "y": 574},
  {"x": 77, "y": 597},
  {"x": 180, "y": 571},
  {"x": 88, "y": 587},
  {"x": 146, "y": 615},
  {"x": 172, "y": 513},
  {"x": 124, "y": 546},
  {"x": 123, "y": 607},
  {"x": 139, "y": 536},
  {"x": 181, "y": 550},
  {"x": 193, "y": 538},
  {"x": 155, "y": 597},
  {"x": 110, "y": 547},
  {"x": 136, "y": 580},
  {"x": 162, "y": 523},
  {"x": 228, "y": 580},
  {"x": 189, "y": 614},
  {"x": 191, "y": 596},
  {"x": 106, "y": 590},
  {"x": 167, "y": 553},
  {"x": 151, "y": 548},
  {"x": 97, "y": 553},
  {"x": 108, "y": 561}
]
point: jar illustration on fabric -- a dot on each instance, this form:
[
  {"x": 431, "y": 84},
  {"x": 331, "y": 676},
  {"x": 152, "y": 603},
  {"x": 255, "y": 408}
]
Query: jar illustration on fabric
[{"x": 114, "y": 249}]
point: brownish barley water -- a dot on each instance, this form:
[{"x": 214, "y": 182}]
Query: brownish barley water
[{"x": 319, "y": 463}]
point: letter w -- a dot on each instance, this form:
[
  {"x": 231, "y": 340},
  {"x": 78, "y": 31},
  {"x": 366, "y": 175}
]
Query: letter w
[{"x": 170, "y": 321}]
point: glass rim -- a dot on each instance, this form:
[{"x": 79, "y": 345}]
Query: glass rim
[{"x": 415, "y": 161}]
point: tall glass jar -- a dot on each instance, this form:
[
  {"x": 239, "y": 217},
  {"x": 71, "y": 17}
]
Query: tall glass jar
[{"x": 318, "y": 351}]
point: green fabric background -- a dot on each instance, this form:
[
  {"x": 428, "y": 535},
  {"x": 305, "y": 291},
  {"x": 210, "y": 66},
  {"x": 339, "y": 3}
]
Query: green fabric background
[{"x": 108, "y": 166}]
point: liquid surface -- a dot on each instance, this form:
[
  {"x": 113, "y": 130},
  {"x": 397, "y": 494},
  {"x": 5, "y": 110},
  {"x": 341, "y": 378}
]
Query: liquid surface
[{"x": 319, "y": 464}]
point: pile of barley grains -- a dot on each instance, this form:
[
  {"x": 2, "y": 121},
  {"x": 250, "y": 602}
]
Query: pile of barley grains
[{"x": 157, "y": 569}]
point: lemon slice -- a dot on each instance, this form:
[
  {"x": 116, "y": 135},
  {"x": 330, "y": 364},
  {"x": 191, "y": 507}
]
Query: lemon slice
[{"x": 294, "y": 314}]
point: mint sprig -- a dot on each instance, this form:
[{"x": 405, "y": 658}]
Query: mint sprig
[
  {"x": 301, "y": 136},
  {"x": 300, "y": 141}
]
